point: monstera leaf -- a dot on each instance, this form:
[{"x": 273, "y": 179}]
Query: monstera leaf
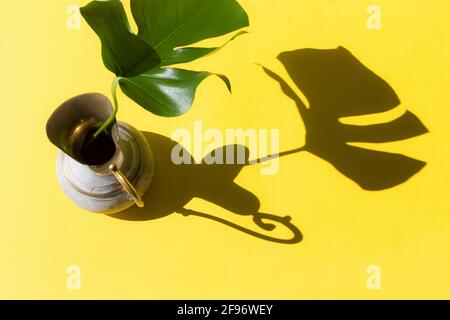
[
  {"x": 170, "y": 24},
  {"x": 337, "y": 85},
  {"x": 123, "y": 52},
  {"x": 166, "y": 91},
  {"x": 165, "y": 26}
]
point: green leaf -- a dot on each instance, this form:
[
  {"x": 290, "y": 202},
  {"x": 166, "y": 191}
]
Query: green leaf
[
  {"x": 124, "y": 53},
  {"x": 189, "y": 54},
  {"x": 170, "y": 24},
  {"x": 166, "y": 27},
  {"x": 166, "y": 92}
]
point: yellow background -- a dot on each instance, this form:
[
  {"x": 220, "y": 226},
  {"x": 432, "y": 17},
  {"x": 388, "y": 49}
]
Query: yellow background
[{"x": 404, "y": 230}]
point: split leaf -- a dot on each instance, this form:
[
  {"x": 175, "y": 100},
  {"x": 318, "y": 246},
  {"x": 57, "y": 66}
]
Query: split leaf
[
  {"x": 124, "y": 53},
  {"x": 166, "y": 92},
  {"x": 165, "y": 28},
  {"x": 170, "y": 24}
]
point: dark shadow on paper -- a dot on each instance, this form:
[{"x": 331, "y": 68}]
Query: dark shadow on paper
[
  {"x": 337, "y": 85},
  {"x": 174, "y": 186}
]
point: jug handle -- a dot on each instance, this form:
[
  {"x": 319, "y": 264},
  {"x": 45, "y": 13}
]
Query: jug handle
[{"x": 127, "y": 186}]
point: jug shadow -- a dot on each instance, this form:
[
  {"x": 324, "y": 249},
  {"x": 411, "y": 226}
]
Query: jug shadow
[
  {"x": 173, "y": 186},
  {"x": 337, "y": 85}
]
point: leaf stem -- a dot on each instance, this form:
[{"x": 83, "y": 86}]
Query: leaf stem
[{"x": 112, "y": 117}]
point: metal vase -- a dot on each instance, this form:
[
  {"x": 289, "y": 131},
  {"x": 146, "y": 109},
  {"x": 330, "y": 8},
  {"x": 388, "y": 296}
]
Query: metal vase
[{"x": 107, "y": 174}]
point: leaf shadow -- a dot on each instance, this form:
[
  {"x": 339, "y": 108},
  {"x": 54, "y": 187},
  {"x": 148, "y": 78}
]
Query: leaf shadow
[
  {"x": 174, "y": 186},
  {"x": 336, "y": 84}
]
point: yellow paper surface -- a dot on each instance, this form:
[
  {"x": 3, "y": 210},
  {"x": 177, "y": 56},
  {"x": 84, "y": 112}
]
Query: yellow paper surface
[{"x": 403, "y": 231}]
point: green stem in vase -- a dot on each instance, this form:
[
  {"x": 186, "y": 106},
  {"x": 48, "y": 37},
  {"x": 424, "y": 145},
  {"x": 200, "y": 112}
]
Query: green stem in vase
[{"x": 112, "y": 117}]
